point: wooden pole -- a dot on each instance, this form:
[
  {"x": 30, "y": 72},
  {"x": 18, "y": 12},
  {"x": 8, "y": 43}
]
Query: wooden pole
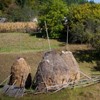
[
  {"x": 85, "y": 75},
  {"x": 67, "y": 38},
  {"x": 47, "y": 35}
]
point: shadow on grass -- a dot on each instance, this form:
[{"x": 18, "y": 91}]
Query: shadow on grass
[
  {"x": 1, "y": 86},
  {"x": 87, "y": 55},
  {"x": 97, "y": 68},
  {"x": 62, "y": 44}
]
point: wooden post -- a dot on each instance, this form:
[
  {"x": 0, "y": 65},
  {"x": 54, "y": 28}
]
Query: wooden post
[
  {"x": 47, "y": 35},
  {"x": 85, "y": 75},
  {"x": 67, "y": 38}
]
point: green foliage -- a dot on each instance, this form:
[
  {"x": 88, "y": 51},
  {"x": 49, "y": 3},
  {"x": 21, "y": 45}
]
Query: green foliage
[
  {"x": 23, "y": 3},
  {"x": 96, "y": 41},
  {"x": 77, "y": 32},
  {"x": 17, "y": 10},
  {"x": 19, "y": 14},
  {"x": 53, "y": 13},
  {"x": 69, "y": 2},
  {"x": 84, "y": 21},
  {"x": 5, "y": 3},
  {"x": 1, "y": 14}
]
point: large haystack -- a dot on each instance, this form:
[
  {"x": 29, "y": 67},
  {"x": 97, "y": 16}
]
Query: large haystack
[
  {"x": 20, "y": 77},
  {"x": 53, "y": 73}
]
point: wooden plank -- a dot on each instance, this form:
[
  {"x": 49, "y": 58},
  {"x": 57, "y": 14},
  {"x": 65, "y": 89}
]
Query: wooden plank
[{"x": 17, "y": 92}]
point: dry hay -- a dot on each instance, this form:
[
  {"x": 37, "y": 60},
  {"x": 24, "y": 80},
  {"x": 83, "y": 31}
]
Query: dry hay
[
  {"x": 18, "y": 27},
  {"x": 20, "y": 71},
  {"x": 19, "y": 79},
  {"x": 53, "y": 72}
]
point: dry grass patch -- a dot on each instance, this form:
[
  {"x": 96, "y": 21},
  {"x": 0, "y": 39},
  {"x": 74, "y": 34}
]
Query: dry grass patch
[{"x": 18, "y": 27}]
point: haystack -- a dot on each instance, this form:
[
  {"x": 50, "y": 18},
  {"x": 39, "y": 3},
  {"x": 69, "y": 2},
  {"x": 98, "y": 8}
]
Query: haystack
[
  {"x": 53, "y": 73},
  {"x": 72, "y": 65},
  {"x": 19, "y": 79}
]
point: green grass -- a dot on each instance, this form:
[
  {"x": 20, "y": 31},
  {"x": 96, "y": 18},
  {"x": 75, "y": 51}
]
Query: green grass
[
  {"x": 14, "y": 45},
  {"x": 21, "y": 42},
  {"x": 87, "y": 93}
]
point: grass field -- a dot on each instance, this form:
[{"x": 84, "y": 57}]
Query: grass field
[
  {"x": 14, "y": 45},
  {"x": 23, "y": 42}
]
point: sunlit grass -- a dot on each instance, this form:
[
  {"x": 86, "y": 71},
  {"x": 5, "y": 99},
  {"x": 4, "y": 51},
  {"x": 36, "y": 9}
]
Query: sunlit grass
[
  {"x": 14, "y": 45},
  {"x": 20, "y": 42}
]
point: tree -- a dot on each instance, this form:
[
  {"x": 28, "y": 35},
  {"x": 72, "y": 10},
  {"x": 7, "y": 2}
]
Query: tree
[
  {"x": 96, "y": 41},
  {"x": 53, "y": 12},
  {"x": 69, "y": 2},
  {"x": 19, "y": 15},
  {"x": 5, "y": 3},
  {"x": 77, "y": 33},
  {"x": 21, "y": 3},
  {"x": 18, "y": 10},
  {"x": 84, "y": 21}
]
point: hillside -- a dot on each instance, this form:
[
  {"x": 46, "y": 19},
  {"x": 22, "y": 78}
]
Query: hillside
[{"x": 14, "y": 45}]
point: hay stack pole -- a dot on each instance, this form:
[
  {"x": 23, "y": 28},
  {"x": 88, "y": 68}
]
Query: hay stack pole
[{"x": 20, "y": 73}]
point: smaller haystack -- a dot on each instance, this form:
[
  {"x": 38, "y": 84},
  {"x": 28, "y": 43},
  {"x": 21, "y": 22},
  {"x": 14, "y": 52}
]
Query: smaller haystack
[
  {"x": 53, "y": 73},
  {"x": 72, "y": 65},
  {"x": 19, "y": 79}
]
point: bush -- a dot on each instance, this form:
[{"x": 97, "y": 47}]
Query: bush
[
  {"x": 96, "y": 41},
  {"x": 19, "y": 14},
  {"x": 53, "y": 12},
  {"x": 84, "y": 22}
]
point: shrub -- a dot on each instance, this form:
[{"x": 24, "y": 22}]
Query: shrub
[
  {"x": 53, "y": 12},
  {"x": 17, "y": 14},
  {"x": 96, "y": 41}
]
